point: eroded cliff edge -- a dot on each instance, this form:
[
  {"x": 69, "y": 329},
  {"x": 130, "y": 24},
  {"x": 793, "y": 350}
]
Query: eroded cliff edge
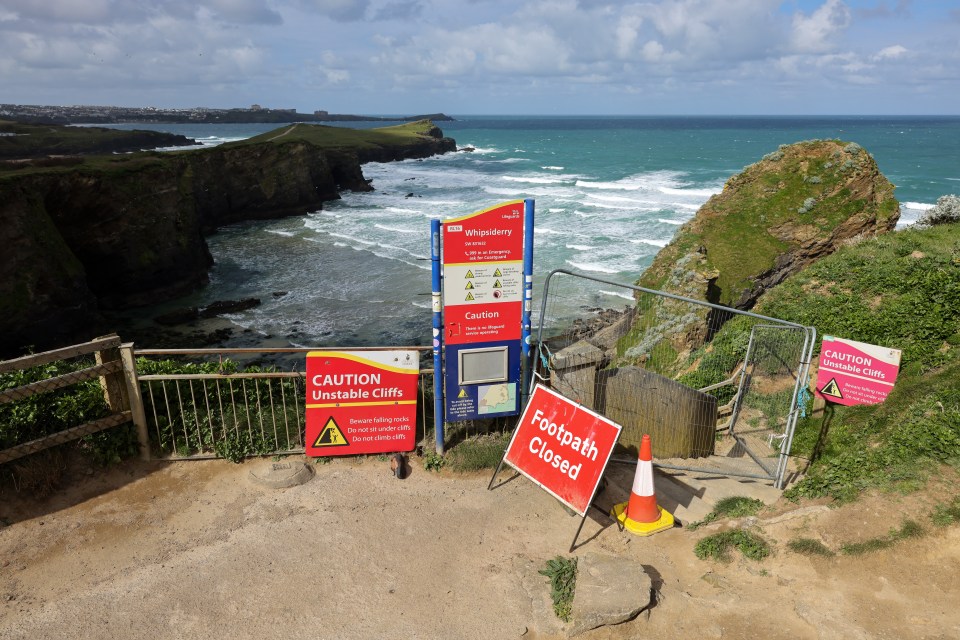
[{"x": 121, "y": 231}]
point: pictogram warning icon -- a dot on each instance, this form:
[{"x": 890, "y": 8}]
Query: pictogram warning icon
[
  {"x": 832, "y": 389},
  {"x": 470, "y": 297},
  {"x": 463, "y": 393},
  {"x": 469, "y": 274},
  {"x": 497, "y": 274},
  {"x": 331, "y": 436},
  {"x": 469, "y": 285},
  {"x": 497, "y": 285}
]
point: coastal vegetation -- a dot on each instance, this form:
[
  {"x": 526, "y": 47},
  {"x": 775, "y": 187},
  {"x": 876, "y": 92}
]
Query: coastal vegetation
[{"x": 21, "y": 141}]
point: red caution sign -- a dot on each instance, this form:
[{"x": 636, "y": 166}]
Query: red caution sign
[
  {"x": 853, "y": 372},
  {"x": 562, "y": 447},
  {"x": 361, "y": 402}
]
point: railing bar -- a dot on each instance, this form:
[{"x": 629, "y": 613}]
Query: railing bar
[
  {"x": 206, "y": 402},
  {"x": 196, "y": 418},
  {"x": 233, "y": 403},
  {"x": 246, "y": 404},
  {"x": 222, "y": 376},
  {"x": 223, "y": 418},
  {"x": 183, "y": 352},
  {"x": 300, "y": 435},
  {"x": 182, "y": 421},
  {"x": 173, "y": 430},
  {"x": 46, "y": 357},
  {"x": 286, "y": 421},
  {"x": 156, "y": 421},
  {"x": 273, "y": 416},
  {"x": 256, "y": 387}
]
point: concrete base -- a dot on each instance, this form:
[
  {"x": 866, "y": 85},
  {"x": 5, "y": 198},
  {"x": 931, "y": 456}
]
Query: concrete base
[{"x": 664, "y": 522}]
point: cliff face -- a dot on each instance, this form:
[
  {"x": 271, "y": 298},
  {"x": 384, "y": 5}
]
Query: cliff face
[
  {"x": 796, "y": 205},
  {"x": 129, "y": 230}
]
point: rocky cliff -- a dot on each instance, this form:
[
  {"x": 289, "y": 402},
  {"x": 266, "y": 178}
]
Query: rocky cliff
[
  {"x": 127, "y": 230},
  {"x": 796, "y": 205}
]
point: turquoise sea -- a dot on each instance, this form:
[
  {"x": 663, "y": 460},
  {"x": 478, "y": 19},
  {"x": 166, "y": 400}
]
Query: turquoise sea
[{"x": 609, "y": 191}]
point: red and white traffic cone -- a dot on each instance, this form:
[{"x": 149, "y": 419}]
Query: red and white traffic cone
[{"x": 641, "y": 515}]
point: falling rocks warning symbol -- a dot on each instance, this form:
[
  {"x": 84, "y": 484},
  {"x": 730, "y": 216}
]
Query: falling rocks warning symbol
[
  {"x": 831, "y": 389},
  {"x": 331, "y": 436}
]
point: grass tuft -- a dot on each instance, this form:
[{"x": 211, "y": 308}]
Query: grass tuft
[
  {"x": 479, "y": 452},
  {"x": 732, "y": 507},
  {"x": 718, "y": 545},
  {"x": 809, "y": 547}
]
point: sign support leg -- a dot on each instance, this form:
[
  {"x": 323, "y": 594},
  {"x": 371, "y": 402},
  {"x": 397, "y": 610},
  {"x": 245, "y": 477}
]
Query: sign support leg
[{"x": 437, "y": 335}]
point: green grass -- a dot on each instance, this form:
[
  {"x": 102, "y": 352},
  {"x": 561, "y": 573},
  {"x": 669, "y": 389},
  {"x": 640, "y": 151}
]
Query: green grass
[
  {"x": 563, "y": 581},
  {"x": 718, "y": 546},
  {"x": 947, "y": 514},
  {"x": 326, "y": 137},
  {"x": 810, "y": 547},
  {"x": 732, "y": 507},
  {"x": 908, "y": 529},
  {"x": 478, "y": 452}
]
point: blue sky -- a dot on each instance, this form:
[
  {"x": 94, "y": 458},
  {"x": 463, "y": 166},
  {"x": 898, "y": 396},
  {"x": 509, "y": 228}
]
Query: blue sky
[{"x": 488, "y": 56}]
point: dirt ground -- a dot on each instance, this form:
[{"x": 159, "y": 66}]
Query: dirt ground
[{"x": 198, "y": 550}]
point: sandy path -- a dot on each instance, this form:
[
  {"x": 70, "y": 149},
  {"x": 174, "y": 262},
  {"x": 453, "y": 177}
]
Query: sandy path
[{"x": 196, "y": 550}]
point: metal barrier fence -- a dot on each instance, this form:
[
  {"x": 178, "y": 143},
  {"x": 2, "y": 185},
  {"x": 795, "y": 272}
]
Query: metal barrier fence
[
  {"x": 716, "y": 388},
  {"x": 219, "y": 411}
]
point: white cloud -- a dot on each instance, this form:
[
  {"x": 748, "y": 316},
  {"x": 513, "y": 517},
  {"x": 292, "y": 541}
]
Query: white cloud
[
  {"x": 820, "y": 31},
  {"x": 892, "y": 52}
]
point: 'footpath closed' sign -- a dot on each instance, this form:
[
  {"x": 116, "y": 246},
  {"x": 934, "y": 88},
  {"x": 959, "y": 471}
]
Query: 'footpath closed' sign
[{"x": 563, "y": 447}]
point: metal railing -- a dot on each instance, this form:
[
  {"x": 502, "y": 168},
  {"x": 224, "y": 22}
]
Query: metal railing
[
  {"x": 716, "y": 388},
  {"x": 229, "y": 413}
]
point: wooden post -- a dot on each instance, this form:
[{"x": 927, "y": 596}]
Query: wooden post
[
  {"x": 136, "y": 400},
  {"x": 112, "y": 383}
]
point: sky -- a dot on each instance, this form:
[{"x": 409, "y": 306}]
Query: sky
[{"x": 511, "y": 57}]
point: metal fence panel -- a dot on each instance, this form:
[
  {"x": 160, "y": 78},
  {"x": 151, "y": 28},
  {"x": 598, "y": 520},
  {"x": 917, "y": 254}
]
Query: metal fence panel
[{"x": 715, "y": 387}]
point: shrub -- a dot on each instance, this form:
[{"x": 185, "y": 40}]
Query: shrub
[{"x": 946, "y": 210}]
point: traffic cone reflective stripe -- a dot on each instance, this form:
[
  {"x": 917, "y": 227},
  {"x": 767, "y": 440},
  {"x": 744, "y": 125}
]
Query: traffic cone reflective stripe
[{"x": 641, "y": 515}]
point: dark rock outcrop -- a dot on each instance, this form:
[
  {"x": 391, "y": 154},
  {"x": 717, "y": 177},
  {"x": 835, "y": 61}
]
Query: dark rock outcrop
[{"x": 122, "y": 231}]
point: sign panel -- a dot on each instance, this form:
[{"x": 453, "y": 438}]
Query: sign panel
[
  {"x": 483, "y": 311},
  {"x": 562, "y": 447},
  {"x": 483, "y": 275},
  {"x": 361, "y": 402},
  {"x": 495, "y": 396},
  {"x": 856, "y": 372}
]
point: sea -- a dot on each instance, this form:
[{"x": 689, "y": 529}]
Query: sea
[{"x": 609, "y": 193}]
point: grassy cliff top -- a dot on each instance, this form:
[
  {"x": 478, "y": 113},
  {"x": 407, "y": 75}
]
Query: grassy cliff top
[
  {"x": 20, "y": 140},
  {"x": 794, "y": 197},
  {"x": 336, "y": 138}
]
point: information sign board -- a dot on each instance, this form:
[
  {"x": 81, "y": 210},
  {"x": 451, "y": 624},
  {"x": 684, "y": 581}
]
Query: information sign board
[
  {"x": 361, "y": 402},
  {"x": 563, "y": 447},
  {"x": 856, "y": 372},
  {"x": 483, "y": 311}
]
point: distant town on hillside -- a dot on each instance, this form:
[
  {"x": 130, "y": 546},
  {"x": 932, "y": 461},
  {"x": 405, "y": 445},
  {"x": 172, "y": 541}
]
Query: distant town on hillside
[{"x": 86, "y": 114}]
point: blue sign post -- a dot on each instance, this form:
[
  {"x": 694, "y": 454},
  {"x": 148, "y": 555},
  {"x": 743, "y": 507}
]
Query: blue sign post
[{"x": 487, "y": 296}]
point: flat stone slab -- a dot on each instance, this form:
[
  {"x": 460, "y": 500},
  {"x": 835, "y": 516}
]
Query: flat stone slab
[
  {"x": 610, "y": 590},
  {"x": 280, "y": 474}
]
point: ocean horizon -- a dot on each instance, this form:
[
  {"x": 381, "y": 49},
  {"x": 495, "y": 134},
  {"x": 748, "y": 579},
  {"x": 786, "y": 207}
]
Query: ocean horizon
[{"x": 610, "y": 191}]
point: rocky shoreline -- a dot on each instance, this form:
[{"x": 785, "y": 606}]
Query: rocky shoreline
[{"x": 128, "y": 231}]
